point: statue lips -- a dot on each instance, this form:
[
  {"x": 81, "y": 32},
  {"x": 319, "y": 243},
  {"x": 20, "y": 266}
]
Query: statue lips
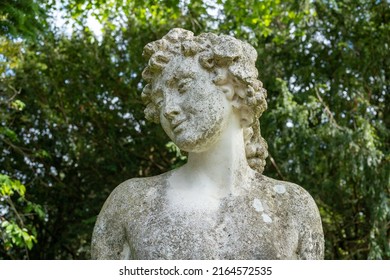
[{"x": 175, "y": 124}]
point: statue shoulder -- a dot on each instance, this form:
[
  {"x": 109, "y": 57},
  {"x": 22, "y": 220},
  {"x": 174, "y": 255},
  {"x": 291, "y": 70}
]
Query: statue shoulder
[
  {"x": 298, "y": 202},
  {"x": 125, "y": 202},
  {"x": 135, "y": 191},
  {"x": 295, "y": 197}
]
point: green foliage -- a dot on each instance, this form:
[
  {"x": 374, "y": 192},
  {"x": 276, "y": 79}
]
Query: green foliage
[
  {"x": 15, "y": 236},
  {"x": 9, "y": 187},
  {"x": 72, "y": 124},
  {"x": 21, "y": 18},
  {"x": 179, "y": 157},
  {"x": 17, "y": 229}
]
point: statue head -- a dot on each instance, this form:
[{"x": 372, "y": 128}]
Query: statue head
[{"x": 205, "y": 67}]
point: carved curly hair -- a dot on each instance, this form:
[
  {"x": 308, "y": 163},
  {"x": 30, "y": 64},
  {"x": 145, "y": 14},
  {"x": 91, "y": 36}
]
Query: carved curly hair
[{"x": 226, "y": 57}]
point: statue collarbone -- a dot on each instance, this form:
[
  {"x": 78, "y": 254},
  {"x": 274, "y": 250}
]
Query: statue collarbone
[{"x": 205, "y": 93}]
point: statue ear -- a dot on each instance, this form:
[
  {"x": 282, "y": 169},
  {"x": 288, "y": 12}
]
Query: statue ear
[
  {"x": 228, "y": 90},
  {"x": 246, "y": 116}
]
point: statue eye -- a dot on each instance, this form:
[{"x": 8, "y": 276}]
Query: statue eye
[{"x": 184, "y": 84}]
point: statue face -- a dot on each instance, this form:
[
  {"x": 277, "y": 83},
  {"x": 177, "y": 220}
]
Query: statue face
[{"x": 193, "y": 110}]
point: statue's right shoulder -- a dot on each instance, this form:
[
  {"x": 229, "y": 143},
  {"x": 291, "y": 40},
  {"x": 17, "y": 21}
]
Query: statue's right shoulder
[
  {"x": 130, "y": 200},
  {"x": 134, "y": 192}
]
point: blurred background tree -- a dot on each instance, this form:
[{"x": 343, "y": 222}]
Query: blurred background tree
[{"x": 72, "y": 123}]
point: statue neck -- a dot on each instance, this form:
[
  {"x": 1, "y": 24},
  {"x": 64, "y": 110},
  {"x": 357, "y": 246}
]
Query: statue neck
[
  {"x": 220, "y": 170},
  {"x": 223, "y": 164}
]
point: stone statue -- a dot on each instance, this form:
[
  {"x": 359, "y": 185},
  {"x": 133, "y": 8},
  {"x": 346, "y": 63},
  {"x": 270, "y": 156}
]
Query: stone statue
[{"x": 205, "y": 93}]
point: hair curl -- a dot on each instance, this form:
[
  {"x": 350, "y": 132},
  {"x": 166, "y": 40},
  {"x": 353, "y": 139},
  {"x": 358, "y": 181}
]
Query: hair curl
[{"x": 227, "y": 57}]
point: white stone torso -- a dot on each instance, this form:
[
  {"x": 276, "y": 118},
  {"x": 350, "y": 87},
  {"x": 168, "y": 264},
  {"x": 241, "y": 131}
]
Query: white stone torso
[
  {"x": 236, "y": 230},
  {"x": 263, "y": 222}
]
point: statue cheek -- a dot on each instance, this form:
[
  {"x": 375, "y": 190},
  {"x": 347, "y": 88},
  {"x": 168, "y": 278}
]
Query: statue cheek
[{"x": 166, "y": 126}]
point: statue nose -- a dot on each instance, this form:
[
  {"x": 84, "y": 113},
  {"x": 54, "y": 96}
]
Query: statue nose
[{"x": 170, "y": 111}]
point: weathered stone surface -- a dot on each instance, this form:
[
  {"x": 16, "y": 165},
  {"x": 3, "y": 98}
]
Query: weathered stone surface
[{"x": 204, "y": 91}]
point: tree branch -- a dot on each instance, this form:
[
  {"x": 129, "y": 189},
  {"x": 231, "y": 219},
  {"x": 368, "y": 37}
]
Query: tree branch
[
  {"x": 16, "y": 93},
  {"x": 327, "y": 110},
  {"x": 276, "y": 166}
]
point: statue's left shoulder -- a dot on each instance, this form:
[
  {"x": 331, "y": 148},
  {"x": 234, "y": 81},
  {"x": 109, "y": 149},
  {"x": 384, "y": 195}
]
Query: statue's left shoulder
[{"x": 298, "y": 202}]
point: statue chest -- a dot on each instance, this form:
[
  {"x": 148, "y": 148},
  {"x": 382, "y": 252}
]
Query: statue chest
[{"x": 238, "y": 229}]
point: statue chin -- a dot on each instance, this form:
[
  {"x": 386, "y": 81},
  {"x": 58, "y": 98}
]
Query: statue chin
[{"x": 195, "y": 144}]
